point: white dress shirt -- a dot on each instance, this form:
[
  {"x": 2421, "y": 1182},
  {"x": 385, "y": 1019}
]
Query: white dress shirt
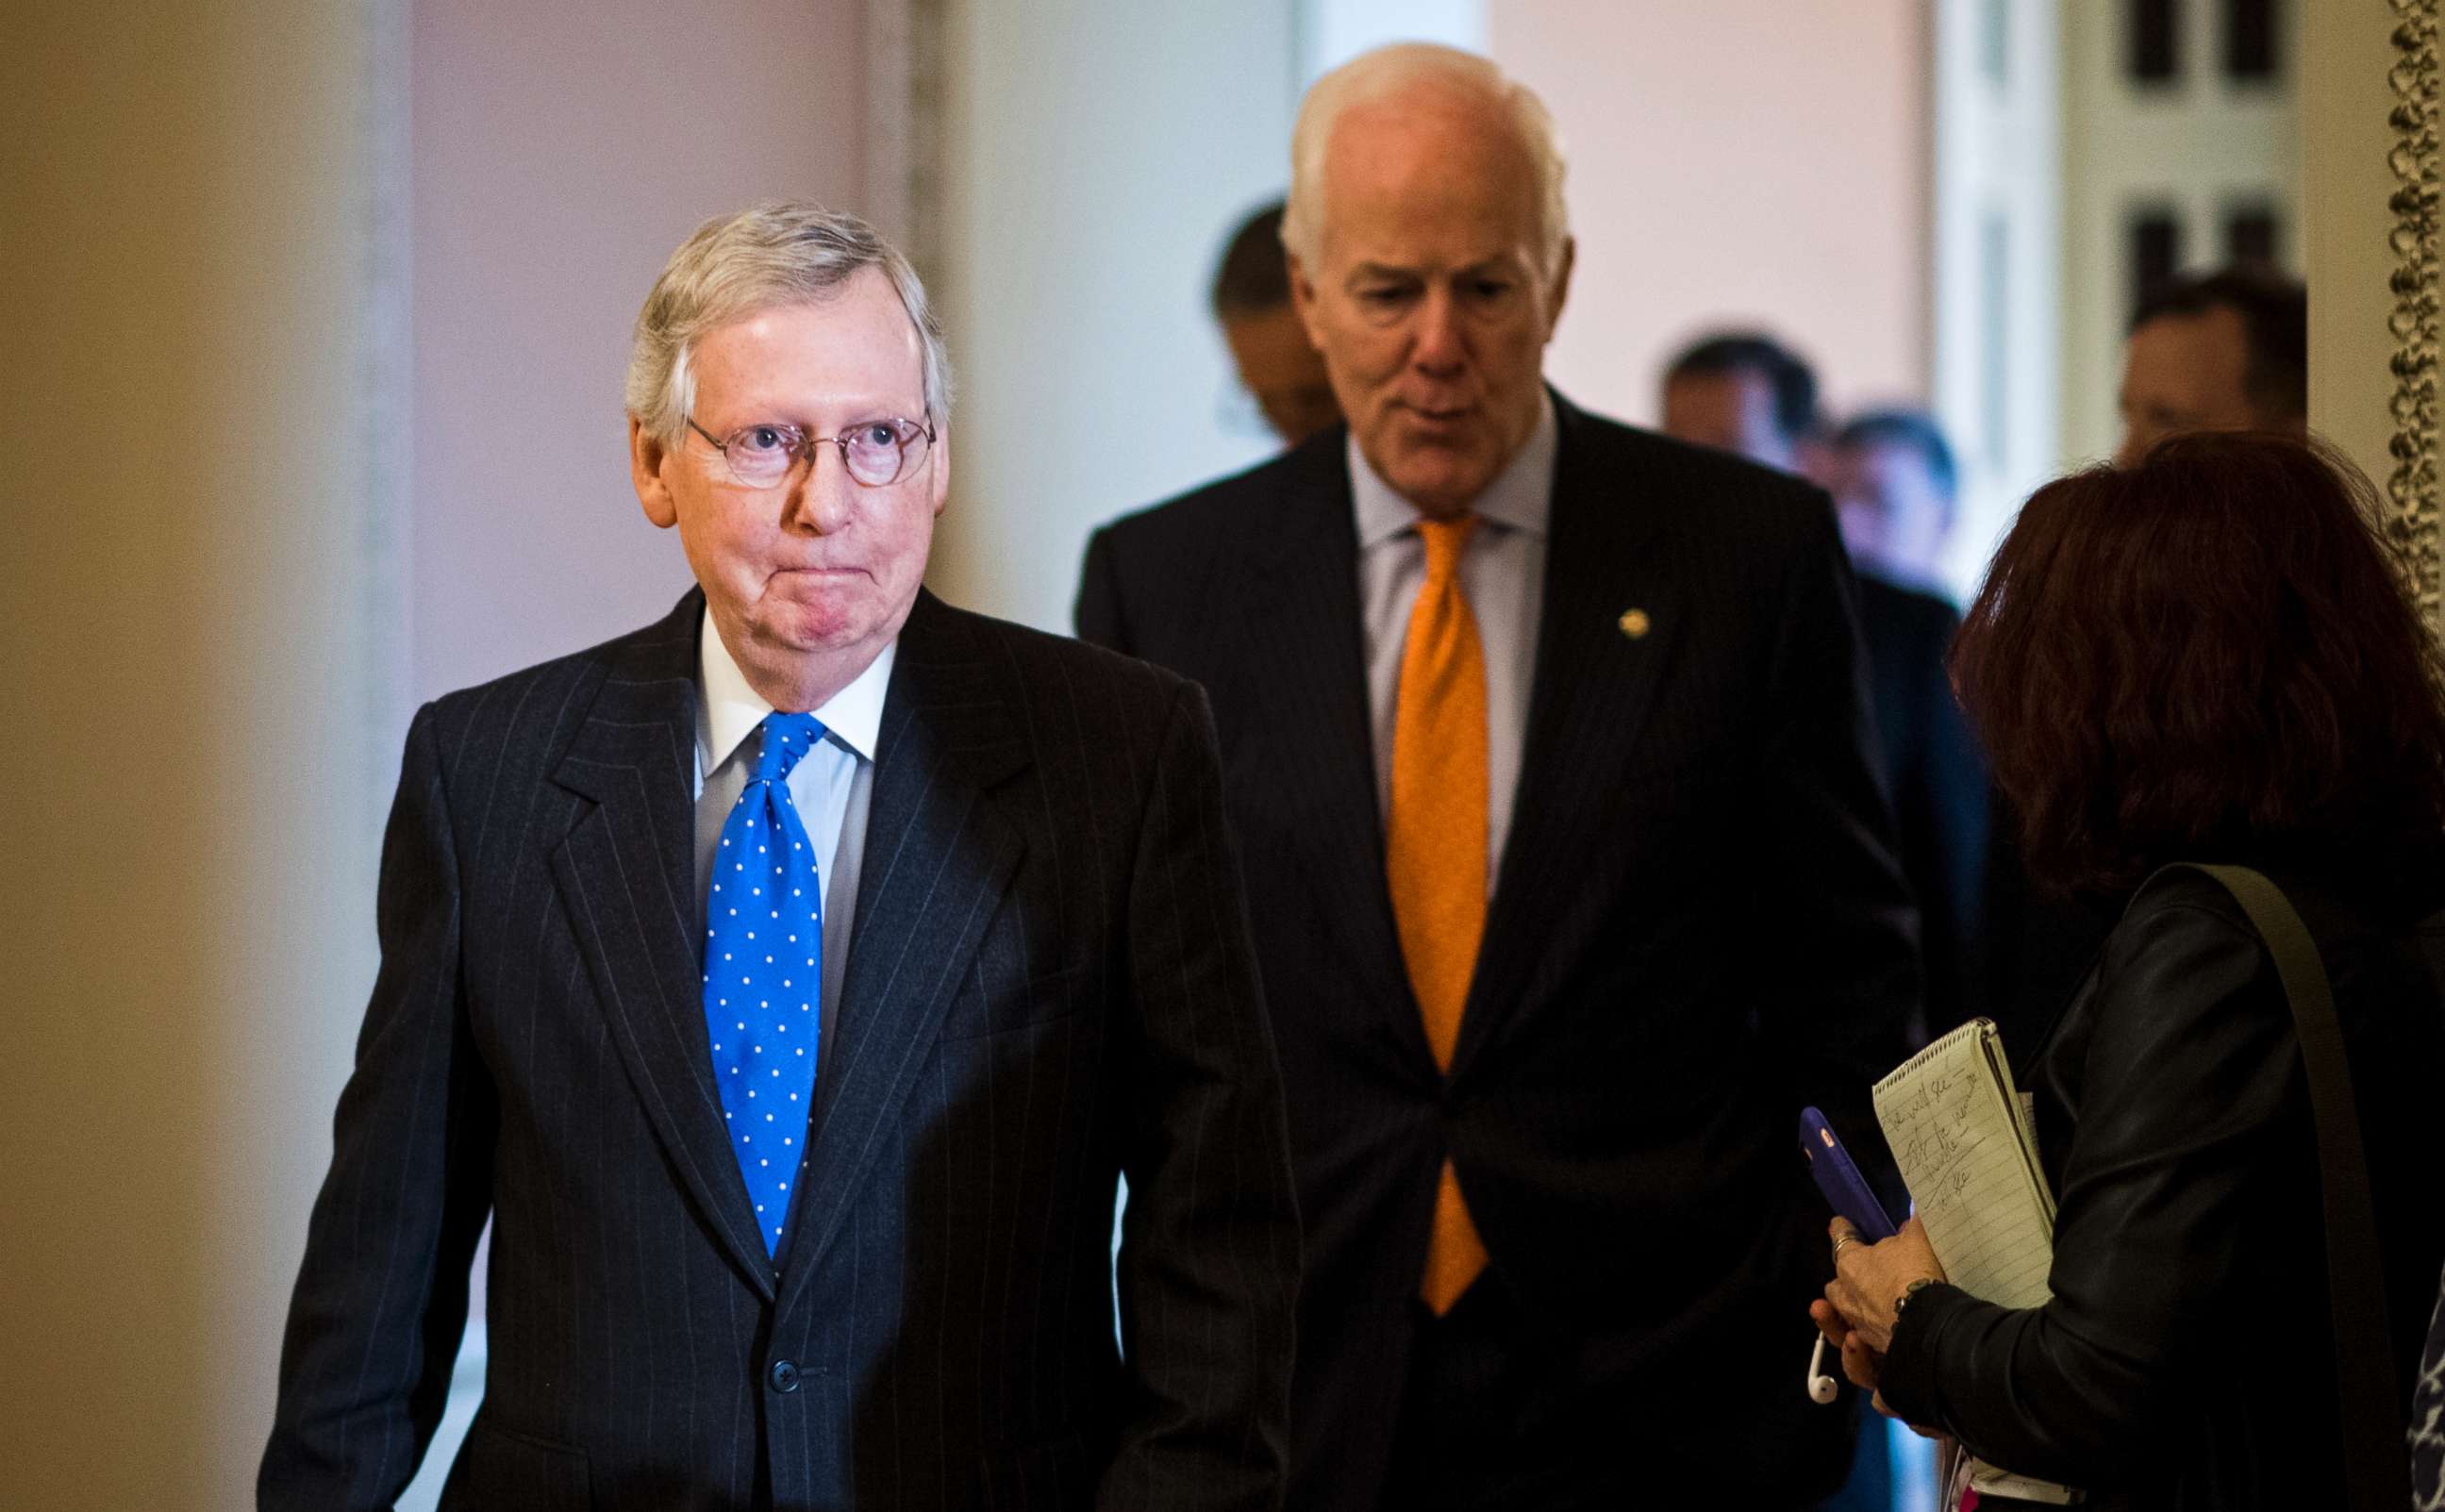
[
  {"x": 832, "y": 785},
  {"x": 1502, "y": 573}
]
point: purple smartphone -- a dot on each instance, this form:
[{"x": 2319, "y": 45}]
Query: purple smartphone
[{"x": 1840, "y": 1180}]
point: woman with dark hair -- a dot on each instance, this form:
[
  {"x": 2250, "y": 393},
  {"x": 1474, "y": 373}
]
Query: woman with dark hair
[{"x": 2203, "y": 658}]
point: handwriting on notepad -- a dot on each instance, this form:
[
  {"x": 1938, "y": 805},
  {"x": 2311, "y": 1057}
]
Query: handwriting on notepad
[{"x": 1957, "y": 1140}]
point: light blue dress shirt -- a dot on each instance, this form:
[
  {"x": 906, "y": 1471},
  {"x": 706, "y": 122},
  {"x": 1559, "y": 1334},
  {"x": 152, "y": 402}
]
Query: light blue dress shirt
[{"x": 1503, "y": 574}]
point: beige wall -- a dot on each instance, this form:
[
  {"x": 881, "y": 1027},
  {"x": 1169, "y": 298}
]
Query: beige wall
[
  {"x": 1751, "y": 160},
  {"x": 557, "y": 162},
  {"x": 192, "y": 667}
]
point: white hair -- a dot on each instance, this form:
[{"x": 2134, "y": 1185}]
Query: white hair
[
  {"x": 778, "y": 252},
  {"x": 1392, "y": 71}
]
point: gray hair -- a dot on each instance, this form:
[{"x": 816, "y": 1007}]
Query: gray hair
[
  {"x": 778, "y": 252},
  {"x": 1388, "y": 71}
]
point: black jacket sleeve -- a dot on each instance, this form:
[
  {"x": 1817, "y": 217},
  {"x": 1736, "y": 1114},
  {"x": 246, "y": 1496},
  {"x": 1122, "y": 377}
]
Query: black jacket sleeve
[
  {"x": 2190, "y": 1068},
  {"x": 381, "y": 1298}
]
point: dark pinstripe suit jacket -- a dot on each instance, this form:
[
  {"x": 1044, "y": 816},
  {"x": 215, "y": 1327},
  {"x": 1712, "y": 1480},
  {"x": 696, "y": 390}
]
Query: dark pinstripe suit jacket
[
  {"x": 1697, "y": 926},
  {"x": 1050, "y": 983}
]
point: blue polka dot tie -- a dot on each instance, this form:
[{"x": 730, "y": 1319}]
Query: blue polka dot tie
[{"x": 763, "y": 973}]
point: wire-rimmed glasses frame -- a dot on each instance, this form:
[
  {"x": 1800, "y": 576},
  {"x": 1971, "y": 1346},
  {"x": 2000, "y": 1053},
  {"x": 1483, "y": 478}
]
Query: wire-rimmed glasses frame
[{"x": 875, "y": 454}]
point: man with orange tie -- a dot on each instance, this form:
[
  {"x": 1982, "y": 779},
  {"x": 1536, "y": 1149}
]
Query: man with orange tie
[{"x": 1545, "y": 746}]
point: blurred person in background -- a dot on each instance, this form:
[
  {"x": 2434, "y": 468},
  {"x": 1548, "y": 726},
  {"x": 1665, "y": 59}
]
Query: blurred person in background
[
  {"x": 2222, "y": 351},
  {"x": 790, "y": 981},
  {"x": 1745, "y": 393},
  {"x": 1896, "y": 495},
  {"x": 1277, "y": 365},
  {"x": 2204, "y": 657},
  {"x": 1571, "y": 877}
]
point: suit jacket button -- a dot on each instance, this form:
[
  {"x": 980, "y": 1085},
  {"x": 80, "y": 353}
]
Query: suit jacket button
[{"x": 784, "y": 1376}]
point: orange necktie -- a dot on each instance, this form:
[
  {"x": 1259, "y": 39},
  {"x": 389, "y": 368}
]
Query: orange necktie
[{"x": 1435, "y": 844}]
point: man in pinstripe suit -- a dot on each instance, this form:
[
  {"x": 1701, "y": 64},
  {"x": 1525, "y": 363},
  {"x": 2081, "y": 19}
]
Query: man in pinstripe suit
[
  {"x": 1035, "y": 973},
  {"x": 1541, "y": 1100}
]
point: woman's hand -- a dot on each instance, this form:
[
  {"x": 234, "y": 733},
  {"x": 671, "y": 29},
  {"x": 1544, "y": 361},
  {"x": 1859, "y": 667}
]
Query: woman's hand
[
  {"x": 1860, "y": 1365},
  {"x": 1868, "y": 1280}
]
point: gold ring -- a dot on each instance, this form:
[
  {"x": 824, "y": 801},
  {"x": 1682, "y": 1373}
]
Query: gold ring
[{"x": 1839, "y": 1242}]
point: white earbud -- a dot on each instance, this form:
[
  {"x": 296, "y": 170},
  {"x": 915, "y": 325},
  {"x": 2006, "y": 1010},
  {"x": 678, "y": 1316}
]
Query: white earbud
[{"x": 1820, "y": 1386}]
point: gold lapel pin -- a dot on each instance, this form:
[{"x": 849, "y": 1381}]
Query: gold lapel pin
[{"x": 1634, "y": 624}]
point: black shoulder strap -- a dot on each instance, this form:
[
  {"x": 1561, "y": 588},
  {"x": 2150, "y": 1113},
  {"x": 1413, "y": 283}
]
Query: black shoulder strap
[{"x": 2376, "y": 1468}]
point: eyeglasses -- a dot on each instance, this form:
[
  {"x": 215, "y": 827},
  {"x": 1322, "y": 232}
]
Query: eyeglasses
[{"x": 875, "y": 453}]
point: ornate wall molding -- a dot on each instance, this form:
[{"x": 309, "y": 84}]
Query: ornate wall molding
[{"x": 2417, "y": 118}]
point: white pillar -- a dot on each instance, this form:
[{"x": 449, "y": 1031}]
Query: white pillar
[
  {"x": 1996, "y": 213},
  {"x": 1096, "y": 153}
]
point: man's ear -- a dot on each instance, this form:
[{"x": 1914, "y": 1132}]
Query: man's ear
[
  {"x": 938, "y": 458},
  {"x": 1303, "y": 299},
  {"x": 1561, "y": 283},
  {"x": 646, "y": 455}
]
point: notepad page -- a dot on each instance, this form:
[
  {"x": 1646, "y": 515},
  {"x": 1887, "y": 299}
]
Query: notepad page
[{"x": 1949, "y": 1114}]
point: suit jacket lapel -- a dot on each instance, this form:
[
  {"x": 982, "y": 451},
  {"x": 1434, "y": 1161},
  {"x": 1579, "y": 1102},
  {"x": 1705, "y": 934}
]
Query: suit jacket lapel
[
  {"x": 937, "y": 858},
  {"x": 628, "y": 875},
  {"x": 1595, "y": 683},
  {"x": 1304, "y": 626}
]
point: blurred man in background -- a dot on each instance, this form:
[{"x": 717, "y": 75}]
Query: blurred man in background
[
  {"x": 1749, "y": 392},
  {"x": 1745, "y": 393},
  {"x": 2222, "y": 351},
  {"x": 1571, "y": 878},
  {"x": 1277, "y": 365},
  {"x": 1896, "y": 493}
]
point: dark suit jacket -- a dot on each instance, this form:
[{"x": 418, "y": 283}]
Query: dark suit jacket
[
  {"x": 1697, "y": 926},
  {"x": 1993, "y": 945},
  {"x": 1937, "y": 783},
  {"x": 1050, "y": 983}
]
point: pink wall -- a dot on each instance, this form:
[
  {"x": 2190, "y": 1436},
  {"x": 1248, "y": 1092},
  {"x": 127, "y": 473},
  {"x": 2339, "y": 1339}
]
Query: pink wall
[
  {"x": 559, "y": 156},
  {"x": 1750, "y": 160}
]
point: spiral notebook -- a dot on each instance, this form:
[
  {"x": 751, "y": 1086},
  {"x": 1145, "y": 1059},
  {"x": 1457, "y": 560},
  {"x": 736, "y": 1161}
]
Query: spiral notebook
[{"x": 1967, "y": 1149}]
